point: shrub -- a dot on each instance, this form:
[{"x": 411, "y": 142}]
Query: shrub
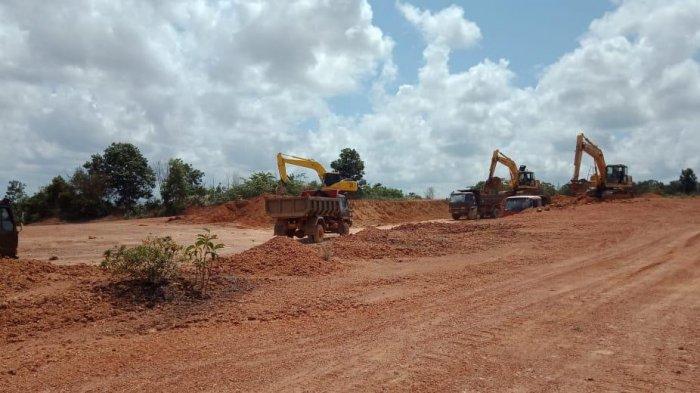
[
  {"x": 202, "y": 254},
  {"x": 155, "y": 261}
]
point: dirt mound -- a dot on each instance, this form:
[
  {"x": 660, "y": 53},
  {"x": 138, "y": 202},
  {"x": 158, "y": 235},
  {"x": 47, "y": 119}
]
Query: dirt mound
[
  {"x": 566, "y": 200},
  {"x": 378, "y": 212},
  {"x": 422, "y": 239},
  {"x": 250, "y": 212},
  {"x": 280, "y": 256},
  {"x": 38, "y": 296}
]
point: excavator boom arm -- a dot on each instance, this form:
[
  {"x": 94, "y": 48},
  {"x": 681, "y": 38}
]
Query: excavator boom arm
[
  {"x": 337, "y": 183},
  {"x": 584, "y": 144},
  {"x": 509, "y": 163},
  {"x": 284, "y": 159}
]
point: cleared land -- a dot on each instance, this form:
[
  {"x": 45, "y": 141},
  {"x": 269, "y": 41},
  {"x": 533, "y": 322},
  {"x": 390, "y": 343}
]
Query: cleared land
[
  {"x": 593, "y": 297},
  {"x": 239, "y": 225}
]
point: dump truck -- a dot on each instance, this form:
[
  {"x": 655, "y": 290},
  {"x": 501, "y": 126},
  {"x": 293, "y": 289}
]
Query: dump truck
[
  {"x": 311, "y": 214},
  {"x": 473, "y": 204},
  {"x": 9, "y": 233}
]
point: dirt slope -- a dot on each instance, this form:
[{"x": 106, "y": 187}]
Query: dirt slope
[
  {"x": 600, "y": 297},
  {"x": 251, "y": 212}
]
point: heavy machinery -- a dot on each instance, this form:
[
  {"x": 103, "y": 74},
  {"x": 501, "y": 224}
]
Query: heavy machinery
[
  {"x": 314, "y": 212},
  {"x": 9, "y": 233},
  {"x": 522, "y": 181},
  {"x": 607, "y": 181},
  {"x": 331, "y": 181}
]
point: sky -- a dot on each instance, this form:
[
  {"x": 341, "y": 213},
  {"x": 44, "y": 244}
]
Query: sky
[{"x": 424, "y": 90}]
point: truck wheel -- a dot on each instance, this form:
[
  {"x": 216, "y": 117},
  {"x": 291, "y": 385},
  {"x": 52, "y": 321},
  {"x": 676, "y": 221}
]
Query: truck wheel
[
  {"x": 456, "y": 216},
  {"x": 299, "y": 233},
  {"x": 344, "y": 229},
  {"x": 290, "y": 232},
  {"x": 472, "y": 215},
  {"x": 317, "y": 236},
  {"x": 496, "y": 212}
]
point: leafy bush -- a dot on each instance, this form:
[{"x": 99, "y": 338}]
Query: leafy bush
[
  {"x": 202, "y": 254},
  {"x": 155, "y": 261},
  {"x": 379, "y": 191}
]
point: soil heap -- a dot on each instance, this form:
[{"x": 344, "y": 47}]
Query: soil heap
[{"x": 279, "y": 256}]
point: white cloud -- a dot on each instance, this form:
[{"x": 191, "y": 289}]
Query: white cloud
[
  {"x": 224, "y": 84},
  {"x": 447, "y": 27},
  {"x": 632, "y": 85},
  {"x": 227, "y": 84}
]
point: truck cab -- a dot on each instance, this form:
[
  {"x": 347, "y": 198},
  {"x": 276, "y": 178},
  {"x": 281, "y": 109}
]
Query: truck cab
[
  {"x": 463, "y": 203},
  {"x": 516, "y": 204},
  {"x": 8, "y": 231}
]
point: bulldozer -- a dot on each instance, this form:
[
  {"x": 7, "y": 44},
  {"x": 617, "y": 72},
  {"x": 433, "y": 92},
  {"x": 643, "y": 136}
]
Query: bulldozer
[
  {"x": 608, "y": 181},
  {"x": 521, "y": 181},
  {"x": 314, "y": 212},
  {"x": 9, "y": 232}
]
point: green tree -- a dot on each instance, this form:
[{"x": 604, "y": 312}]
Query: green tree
[
  {"x": 548, "y": 189},
  {"x": 688, "y": 181},
  {"x": 257, "y": 184},
  {"x": 86, "y": 196},
  {"x": 349, "y": 164},
  {"x": 16, "y": 191},
  {"x": 181, "y": 183},
  {"x": 379, "y": 191},
  {"x": 649, "y": 186},
  {"x": 129, "y": 178},
  {"x": 479, "y": 185},
  {"x": 565, "y": 189}
]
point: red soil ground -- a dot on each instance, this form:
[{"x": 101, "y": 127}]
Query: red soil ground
[{"x": 591, "y": 297}]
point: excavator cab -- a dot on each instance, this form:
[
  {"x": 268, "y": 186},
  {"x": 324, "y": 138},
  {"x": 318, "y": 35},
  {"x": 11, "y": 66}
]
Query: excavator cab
[
  {"x": 331, "y": 178},
  {"x": 526, "y": 178},
  {"x": 616, "y": 174}
]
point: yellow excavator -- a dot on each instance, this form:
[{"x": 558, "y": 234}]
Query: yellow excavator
[
  {"x": 608, "y": 180},
  {"x": 331, "y": 181},
  {"x": 521, "y": 180}
]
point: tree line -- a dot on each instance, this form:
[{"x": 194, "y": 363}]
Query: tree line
[{"x": 121, "y": 181}]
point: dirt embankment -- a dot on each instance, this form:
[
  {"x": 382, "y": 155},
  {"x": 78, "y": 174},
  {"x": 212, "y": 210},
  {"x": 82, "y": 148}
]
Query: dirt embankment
[
  {"x": 251, "y": 212},
  {"x": 380, "y": 212}
]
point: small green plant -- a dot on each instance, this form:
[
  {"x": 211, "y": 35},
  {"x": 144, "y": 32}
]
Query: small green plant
[
  {"x": 202, "y": 254},
  {"x": 155, "y": 261}
]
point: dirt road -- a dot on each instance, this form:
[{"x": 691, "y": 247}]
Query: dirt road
[
  {"x": 590, "y": 298},
  {"x": 86, "y": 242}
]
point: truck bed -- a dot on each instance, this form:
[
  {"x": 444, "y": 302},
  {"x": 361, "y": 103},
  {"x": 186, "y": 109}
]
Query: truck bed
[{"x": 301, "y": 206}]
